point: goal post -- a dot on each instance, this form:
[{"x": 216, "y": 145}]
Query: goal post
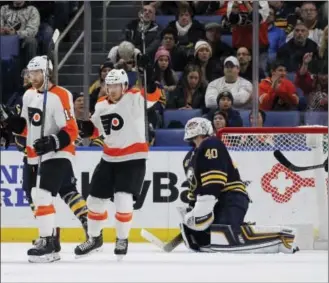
[{"x": 280, "y": 196}]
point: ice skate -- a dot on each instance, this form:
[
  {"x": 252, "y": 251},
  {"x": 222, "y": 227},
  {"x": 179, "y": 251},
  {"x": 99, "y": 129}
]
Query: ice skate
[
  {"x": 121, "y": 248},
  {"x": 43, "y": 251},
  {"x": 93, "y": 244},
  {"x": 57, "y": 244}
]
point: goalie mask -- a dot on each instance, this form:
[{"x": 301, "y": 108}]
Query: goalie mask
[
  {"x": 197, "y": 127},
  {"x": 39, "y": 63}
]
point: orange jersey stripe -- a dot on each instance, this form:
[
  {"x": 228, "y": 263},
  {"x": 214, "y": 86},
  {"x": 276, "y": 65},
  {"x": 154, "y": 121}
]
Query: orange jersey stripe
[
  {"x": 71, "y": 126},
  {"x": 152, "y": 97},
  {"x": 134, "y": 148},
  {"x": 45, "y": 210},
  {"x": 30, "y": 152},
  {"x": 124, "y": 217}
]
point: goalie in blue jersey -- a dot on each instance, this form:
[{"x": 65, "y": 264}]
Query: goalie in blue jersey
[{"x": 214, "y": 220}]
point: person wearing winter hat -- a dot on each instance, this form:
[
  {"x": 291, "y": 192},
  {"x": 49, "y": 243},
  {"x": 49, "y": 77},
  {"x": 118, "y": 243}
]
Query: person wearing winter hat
[
  {"x": 164, "y": 74},
  {"x": 203, "y": 58},
  {"x": 224, "y": 103},
  {"x": 103, "y": 70}
]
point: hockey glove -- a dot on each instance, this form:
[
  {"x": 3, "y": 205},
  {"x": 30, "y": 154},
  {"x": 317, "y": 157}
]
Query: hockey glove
[
  {"x": 5, "y": 135},
  {"x": 46, "y": 144},
  {"x": 86, "y": 128}
]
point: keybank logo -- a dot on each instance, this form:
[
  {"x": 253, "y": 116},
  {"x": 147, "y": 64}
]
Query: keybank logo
[{"x": 12, "y": 194}]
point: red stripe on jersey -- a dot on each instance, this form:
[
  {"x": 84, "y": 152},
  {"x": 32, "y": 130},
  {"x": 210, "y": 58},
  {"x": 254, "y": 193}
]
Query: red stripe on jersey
[{"x": 134, "y": 148}]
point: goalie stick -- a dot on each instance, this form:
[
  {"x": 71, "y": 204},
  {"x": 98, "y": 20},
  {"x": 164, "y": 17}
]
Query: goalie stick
[{"x": 285, "y": 162}]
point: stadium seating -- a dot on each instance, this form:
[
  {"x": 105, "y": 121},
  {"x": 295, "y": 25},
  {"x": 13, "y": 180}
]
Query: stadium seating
[
  {"x": 163, "y": 21},
  {"x": 169, "y": 137},
  {"x": 316, "y": 118},
  {"x": 275, "y": 118},
  {"x": 227, "y": 38},
  {"x": 180, "y": 115},
  {"x": 9, "y": 47}
]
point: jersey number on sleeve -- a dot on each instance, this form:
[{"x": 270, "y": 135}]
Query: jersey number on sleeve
[
  {"x": 68, "y": 114},
  {"x": 211, "y": 153}
]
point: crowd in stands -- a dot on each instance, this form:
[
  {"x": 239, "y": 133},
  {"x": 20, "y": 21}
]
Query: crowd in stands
[{"x": 196, "y": 68}]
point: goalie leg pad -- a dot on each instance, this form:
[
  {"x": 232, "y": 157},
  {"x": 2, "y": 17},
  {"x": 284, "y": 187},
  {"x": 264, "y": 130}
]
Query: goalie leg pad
[
  {"x": 97, "y": 215},
  {"x": 196, "y": 241},
  {"x": 253, "y": 239}
]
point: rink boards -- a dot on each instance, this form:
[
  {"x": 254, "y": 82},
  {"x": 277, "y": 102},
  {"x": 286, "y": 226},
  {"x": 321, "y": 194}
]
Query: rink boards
[{"x": 279, "y": 196}]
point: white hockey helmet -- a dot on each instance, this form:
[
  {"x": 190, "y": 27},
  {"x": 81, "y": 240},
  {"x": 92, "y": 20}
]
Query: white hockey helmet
[
  {"x": 39, "y": 63},
  {"x": 197, "y": 127},
  {"x": 117, "y": 77}
]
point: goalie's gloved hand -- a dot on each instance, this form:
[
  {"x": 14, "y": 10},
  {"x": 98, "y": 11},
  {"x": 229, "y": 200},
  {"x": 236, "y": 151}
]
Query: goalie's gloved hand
[{"x": 46, "y": 144}]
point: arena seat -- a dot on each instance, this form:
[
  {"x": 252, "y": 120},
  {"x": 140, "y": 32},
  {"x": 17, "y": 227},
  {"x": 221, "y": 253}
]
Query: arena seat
[
  {"x": 275, "y": 118},
  {"x": 132, "y": 77},
  {"x": 169, "y": 137},
  {"x": 291, "y": 76},
  {"x": 316, "y": 118},
  {"x": 9, "y": 47},
  {"x": 180, "y": 115},
  {"x": 227, "y": 38}
]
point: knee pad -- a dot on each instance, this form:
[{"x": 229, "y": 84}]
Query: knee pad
[
  {"x": 97, "y": 205},
  {"x": 41, "y": 197},
  {"x": 123, "y": 202}
]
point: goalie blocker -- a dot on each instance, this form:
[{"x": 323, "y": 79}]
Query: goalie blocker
[{"x": 214, "y": 222}]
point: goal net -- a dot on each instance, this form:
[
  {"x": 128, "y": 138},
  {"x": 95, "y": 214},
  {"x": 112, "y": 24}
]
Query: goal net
[{"x": 280, "y": 196}]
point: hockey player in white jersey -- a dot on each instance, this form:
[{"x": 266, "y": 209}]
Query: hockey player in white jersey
[
  {"x": 120, "y": 118},
  {"x": 56, "y": 147}
]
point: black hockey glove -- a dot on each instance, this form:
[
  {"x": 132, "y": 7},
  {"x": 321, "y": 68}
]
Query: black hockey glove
[
  {"x": 86, "y": 128},
  {"x": 5, "y": 135},
  {"x": 46, "y": 144}
]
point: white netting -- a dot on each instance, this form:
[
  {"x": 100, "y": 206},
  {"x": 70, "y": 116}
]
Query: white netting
[{"x": 285, "y": 142}]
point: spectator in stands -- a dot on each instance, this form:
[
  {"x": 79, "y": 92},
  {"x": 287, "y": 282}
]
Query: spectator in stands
[
  {"x": 189, "y": 31},
  {"x": 220, "y": 120},
  {"x": 203, "y": 58},
  {"x": 172, "y": 7},
  {"x": 169, "y": 42},
  {"x": 225, "y": 102},
  {"x": 15, "y": 101},
  {"x": 244, "y": 58},
  {"x": 146, "y": 22},
  {"x": 163, "y": 73},
  {"x": 323, "y": 49},
  {"x": 190, "y": 91},
  {"x": 97, "y": 89},
  {"x": 277, "y": 92},
  {"x": 124, "y": 56},
  {"x": 315, "y": 87},
  {"x": 309, "y": 16},
  {"x": 240, "y": 88},
  {"x": 239, "y": 20},
  {"x": 285, "y": 17},
  {"x": 220, "y": 50},
  {"x": 276, "y": 36},
  {"x": 78, "y": 100},
  {"x": 45, "y": 33},
  {"x": 293, "y": 51},
  {"x": 22, "y": 19},
  {"x": 261, "y": 118}
]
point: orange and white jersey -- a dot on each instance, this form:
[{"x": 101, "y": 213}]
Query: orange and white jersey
[
  {"x": 59, "y": 116},
  {"x": 123, "y": 125}
]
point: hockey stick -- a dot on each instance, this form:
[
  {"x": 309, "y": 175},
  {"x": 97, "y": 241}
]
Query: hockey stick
[
  {"x": 44, "y": 103},
  {"x": 285, "y": 162},
  {"x": 166, "y": 247}
]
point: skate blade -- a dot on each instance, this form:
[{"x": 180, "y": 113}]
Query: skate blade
[
  {"x": 45, "y": 258},
  {"x": 119, "y": 257},
  {"x": 100, "y": 249}
]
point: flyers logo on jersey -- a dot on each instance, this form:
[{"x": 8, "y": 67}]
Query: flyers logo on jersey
[
  {"x": 112, "y": 122},
  {"x": 35, "y": 116}
]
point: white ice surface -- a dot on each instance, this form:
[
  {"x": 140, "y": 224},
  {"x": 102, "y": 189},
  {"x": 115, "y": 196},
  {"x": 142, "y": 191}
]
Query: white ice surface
[{"x": 146, "y": 263}]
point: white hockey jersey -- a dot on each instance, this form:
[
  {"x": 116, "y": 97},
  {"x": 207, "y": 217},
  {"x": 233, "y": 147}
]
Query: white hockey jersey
[
  {"x": 59, "y": 115},
  {"x": 123, "y": 125}
]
